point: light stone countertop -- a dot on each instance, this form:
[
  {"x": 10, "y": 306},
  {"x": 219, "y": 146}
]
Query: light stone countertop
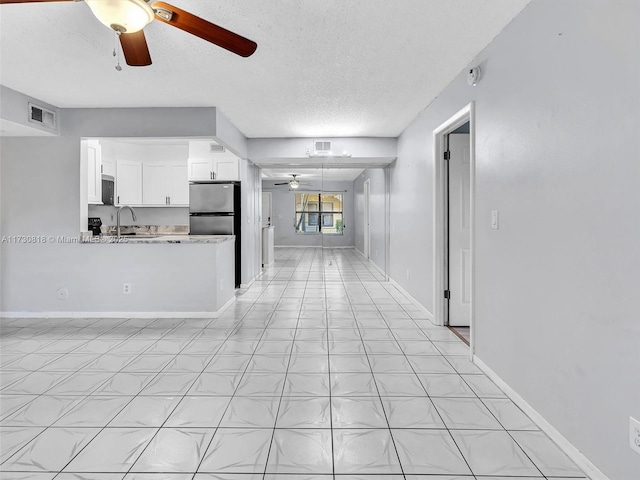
[{"x": 130, "y": 239}]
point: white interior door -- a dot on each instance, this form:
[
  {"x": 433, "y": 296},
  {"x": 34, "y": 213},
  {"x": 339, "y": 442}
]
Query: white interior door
[
  {"x": 367, "y": 219},
  {"x": 266, "y": 209},
  {"x": 459, "y": 230}
]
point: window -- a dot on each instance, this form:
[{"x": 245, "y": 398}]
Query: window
[{"x": 319, "y": 213}]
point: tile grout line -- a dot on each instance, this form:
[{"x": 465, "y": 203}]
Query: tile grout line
[{"x": 379, "y": 398}]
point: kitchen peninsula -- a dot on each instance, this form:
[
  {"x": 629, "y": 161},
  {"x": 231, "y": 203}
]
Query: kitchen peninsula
[{"x": 178, "y": 275}]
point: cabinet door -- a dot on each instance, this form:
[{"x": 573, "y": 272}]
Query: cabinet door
[
  {"x": 227, "y": 169},
  {"x": 178, "y": 182},
  {"x": 200, "y": 169},
  {"x": 129, "y": 182},
  {"x": 94, "y": 167},
  {"x": 108, "y": 166},
  {"x": 155, "y": 189}
]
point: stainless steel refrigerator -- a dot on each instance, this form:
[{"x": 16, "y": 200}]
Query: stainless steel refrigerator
[{"x": 214, "y": 209}]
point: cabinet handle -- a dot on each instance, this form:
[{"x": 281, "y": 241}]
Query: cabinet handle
[
  {"x": 210, "y": 175},
  {"x": 118, "y": 199},
  {"x": 169, "y": 198}
]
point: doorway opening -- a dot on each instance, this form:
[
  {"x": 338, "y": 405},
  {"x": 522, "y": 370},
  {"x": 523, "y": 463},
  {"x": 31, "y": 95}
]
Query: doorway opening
[{"x": 454, "y": 152}]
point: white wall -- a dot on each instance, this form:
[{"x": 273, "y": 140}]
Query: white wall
[
  {"x": 284, "y": 214},
  {"x": 377, "y": 215},
  {"x": 365, "y": 150},
  {"x": 14, "y": 115},
  {"x": 557, "y": 149}
]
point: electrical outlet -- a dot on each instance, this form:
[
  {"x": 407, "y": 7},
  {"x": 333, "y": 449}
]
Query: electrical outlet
[
  {"x": 126, "y": 288},
  {"x": 634, "y": 435}
]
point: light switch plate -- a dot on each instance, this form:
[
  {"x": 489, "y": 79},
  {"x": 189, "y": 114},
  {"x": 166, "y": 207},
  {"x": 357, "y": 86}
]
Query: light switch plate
[
  {"x": 494, "y": 219},
  {"x": 634, "y": 435}
]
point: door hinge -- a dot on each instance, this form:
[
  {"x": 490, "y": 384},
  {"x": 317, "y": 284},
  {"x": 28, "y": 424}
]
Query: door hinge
[
  {"x": 447, "y": 294},
  {"x": 447, "y": 155}
]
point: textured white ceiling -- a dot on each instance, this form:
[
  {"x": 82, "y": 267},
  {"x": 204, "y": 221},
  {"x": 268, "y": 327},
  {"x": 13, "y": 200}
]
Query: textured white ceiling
[{"x": 322, "y": 68}]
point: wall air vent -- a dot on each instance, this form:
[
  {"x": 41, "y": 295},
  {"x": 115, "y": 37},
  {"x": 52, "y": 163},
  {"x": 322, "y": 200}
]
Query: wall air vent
[
  {"x": 322, "y": 147},
  {"x": 42, "y": 116},
  {"x": 215, "y": 148}
]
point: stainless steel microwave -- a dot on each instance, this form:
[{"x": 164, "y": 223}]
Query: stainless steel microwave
[{"x": 108, "y": 189}]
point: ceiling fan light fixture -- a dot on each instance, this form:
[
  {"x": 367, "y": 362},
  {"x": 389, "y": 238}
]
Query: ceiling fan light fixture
[
  {"x": 123, "y": 16},
  {"x": 294, "y": 183}
]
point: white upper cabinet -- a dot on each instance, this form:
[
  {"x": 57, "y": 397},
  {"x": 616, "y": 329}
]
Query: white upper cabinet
[
  {"x": 148, "y": 173},
  {"x": 210, "y": 161},
  {"x": 165, "y": 183},
  {"x": 154, "y": 183},
  {"x": 91, "y": 151},
  {"x": 129, "y": 182},
  {"x": 200, "y": 169},
  {"x": 178, "y": 183},
  {"x": 227, "y": 169},
  {"x": 108, "y": 166}
]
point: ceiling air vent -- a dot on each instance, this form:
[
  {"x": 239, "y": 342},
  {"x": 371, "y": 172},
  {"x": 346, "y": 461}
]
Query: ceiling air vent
[
  {"x": 41, "y": 115},
  {"x": 215, "y": 148}
]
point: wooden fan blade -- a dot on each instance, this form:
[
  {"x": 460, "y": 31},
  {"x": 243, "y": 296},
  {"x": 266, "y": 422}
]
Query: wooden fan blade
[
  {"x": 285, "y": 183},
  {"x": 2, "y": 2},
  {"x": 134, "y": 47},
  {"x": 206, "y": 30}
]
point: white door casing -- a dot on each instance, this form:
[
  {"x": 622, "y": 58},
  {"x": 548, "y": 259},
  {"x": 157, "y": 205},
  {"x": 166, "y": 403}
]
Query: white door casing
[
  {"x": 266, "y": 209},
  {"x": 367, "y": 218},
  {"x": 459, "y": 230}
]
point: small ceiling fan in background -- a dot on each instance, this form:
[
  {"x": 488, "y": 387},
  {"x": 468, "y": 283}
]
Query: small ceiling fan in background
[
  {"x": 293, "y": 183},
  {"x": 128, "y": 17}
]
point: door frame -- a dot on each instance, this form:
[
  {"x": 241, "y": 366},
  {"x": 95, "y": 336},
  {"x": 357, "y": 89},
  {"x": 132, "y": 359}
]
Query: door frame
[
  {"x": 367, "y": 219},
  {"x": 270, "y": 213},
  {"x": 464, "y": 115}
]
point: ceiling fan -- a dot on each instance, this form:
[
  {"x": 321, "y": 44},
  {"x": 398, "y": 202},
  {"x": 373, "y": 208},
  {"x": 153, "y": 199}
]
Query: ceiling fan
[
  {"x": 128, "y": 17},
  {"x": 293, "y": 183}
]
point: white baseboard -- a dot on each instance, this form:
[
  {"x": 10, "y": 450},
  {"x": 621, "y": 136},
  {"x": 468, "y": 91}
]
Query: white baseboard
[
  {"x": 215, "y": 314},
  {"x": 565, "y": 445},
  {"x": 231, "y": 301},
  {"x": 312, "y": 246},
  {"x": 421, "y": 307},
  {"x": 371, "y": 262}
]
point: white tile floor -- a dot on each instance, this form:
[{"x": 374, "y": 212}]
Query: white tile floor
[{"x": 319, "y": 371}]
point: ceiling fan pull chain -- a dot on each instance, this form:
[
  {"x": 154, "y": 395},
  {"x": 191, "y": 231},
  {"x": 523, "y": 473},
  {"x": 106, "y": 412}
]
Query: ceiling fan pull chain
[{"x": 115, "y": 46}]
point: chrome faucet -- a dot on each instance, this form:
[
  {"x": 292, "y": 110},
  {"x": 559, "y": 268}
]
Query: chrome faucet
[{"x": 133, "y": 216}]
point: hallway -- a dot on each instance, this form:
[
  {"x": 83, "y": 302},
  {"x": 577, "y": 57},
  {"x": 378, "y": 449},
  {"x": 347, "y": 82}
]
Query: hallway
[{"x": 320, "y": 370}]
